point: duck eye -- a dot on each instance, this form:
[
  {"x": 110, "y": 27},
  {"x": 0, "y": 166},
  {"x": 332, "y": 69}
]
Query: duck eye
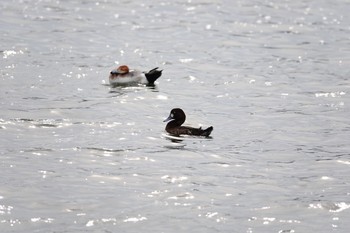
[{"x": 172, "y": 115}]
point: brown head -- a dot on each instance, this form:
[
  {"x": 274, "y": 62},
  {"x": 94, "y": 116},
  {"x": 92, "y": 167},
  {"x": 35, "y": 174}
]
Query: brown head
[{"x": 123, "y": 69}]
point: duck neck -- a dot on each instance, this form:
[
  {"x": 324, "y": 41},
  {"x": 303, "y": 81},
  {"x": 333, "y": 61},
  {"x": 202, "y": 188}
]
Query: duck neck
[{"x": 174, "y": 124}]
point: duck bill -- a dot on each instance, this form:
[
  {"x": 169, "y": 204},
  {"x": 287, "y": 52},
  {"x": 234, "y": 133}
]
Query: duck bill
[
  {"x": 168, "y": 119},
  {"x": 114, "y": 72}
]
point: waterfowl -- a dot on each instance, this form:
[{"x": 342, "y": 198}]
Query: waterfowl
[
  {"x": 122, "y": 75},
  {"x": 176, "y": 118}
]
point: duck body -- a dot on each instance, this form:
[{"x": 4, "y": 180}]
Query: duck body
[
  {"x": 176, "y": 118},
  {"x": 122, "y": 75}
]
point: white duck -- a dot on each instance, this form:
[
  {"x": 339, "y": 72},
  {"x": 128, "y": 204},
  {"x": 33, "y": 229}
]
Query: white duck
[{"x": 122, "y": 75}]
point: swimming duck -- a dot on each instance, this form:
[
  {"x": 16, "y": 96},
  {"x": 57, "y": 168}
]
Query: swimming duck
[
  {"x": 177, "y": 117},
  {"x": 122, "y": 75}
]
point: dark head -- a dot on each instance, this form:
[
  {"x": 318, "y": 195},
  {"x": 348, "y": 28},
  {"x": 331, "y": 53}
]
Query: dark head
[{"x": 178, "y": 115}]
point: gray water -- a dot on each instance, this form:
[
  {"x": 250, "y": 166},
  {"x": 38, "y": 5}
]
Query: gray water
[{"x": 272, "y": 77}]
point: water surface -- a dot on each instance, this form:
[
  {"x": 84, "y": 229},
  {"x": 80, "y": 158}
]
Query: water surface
[{"x": 272, "y": 77}]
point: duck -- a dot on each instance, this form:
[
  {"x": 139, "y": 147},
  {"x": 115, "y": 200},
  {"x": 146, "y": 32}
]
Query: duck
[
  {"x": 174, "y": 127},
  {"x": 123, "y": 75}
]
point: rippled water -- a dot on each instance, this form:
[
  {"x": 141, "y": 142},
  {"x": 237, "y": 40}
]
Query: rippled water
[{"x": 272, "y": 77}]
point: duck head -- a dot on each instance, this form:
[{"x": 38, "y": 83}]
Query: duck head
[
  {"x": 120, "y": 70},
  {"x": 177, "y": 115}
]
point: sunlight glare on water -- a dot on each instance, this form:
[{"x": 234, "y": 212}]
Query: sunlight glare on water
[{"x": 271, "y": 77}]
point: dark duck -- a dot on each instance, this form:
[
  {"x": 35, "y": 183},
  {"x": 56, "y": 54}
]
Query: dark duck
[{"x": 176, "y": 118}]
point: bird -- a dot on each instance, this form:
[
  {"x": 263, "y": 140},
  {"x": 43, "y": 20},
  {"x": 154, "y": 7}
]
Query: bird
[
  {"x": 123, "y": 75},
  {"x": 174, "y": 127}
]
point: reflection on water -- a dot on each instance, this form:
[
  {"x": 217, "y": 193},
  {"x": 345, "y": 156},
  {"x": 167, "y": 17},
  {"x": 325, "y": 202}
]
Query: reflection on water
[{"x": 80, "y": 155}]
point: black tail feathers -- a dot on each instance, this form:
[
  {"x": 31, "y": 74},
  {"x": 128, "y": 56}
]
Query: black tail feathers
[
  {"x": 153, "y": 75},
  {"x": 207, "y": 131}
]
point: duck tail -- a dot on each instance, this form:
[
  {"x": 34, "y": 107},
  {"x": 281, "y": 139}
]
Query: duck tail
[
  {"x": 207, "y": 131},
  {"x": 153, "y": 75}
]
